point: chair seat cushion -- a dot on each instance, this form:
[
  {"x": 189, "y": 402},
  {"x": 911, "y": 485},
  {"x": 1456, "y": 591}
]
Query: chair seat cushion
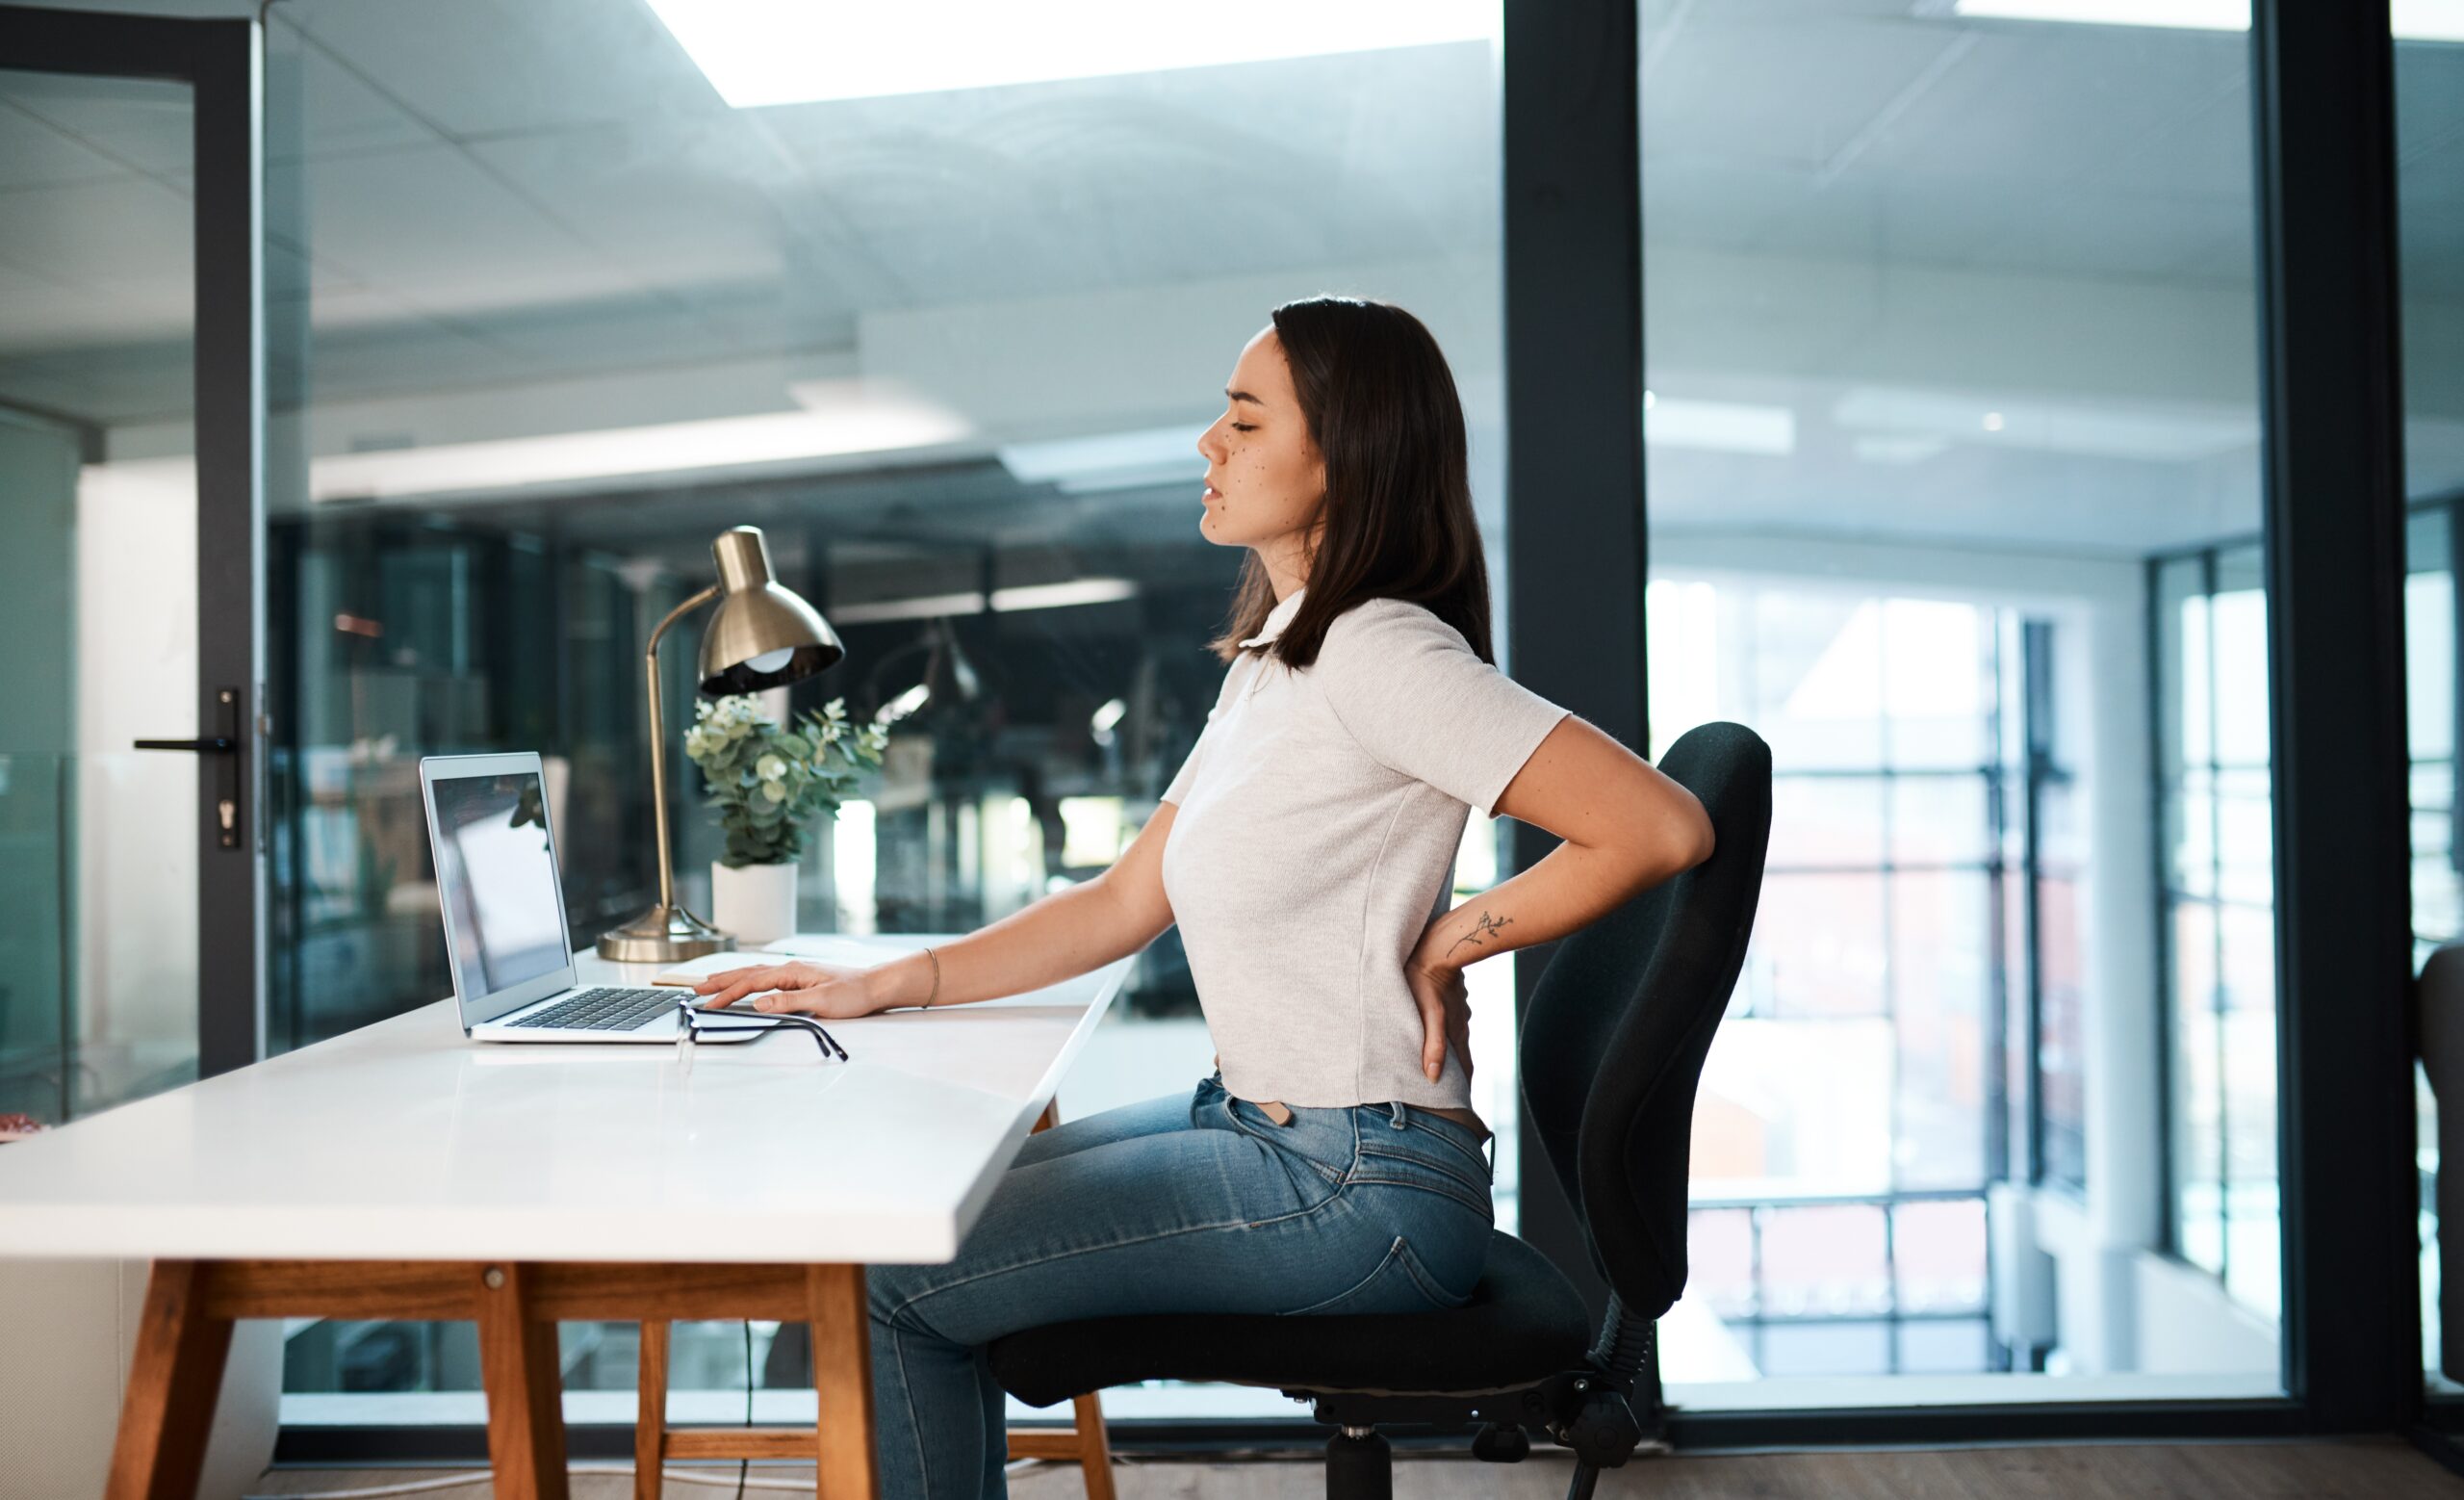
[{"x": 1525, "y": 1322}]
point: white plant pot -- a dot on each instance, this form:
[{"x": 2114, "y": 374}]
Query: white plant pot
[{"x": 755, "y": 904}]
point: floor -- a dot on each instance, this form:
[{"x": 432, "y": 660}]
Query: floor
[{"x": 2359, "y": 1470}]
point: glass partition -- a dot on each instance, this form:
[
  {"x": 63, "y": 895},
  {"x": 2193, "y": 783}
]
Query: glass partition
[
  {"x": 2430, "y": 192},
  {"x": 1950, "y": 348},
  {"x": 555, "y": 312},
  {"x": 98, "y": 585}
]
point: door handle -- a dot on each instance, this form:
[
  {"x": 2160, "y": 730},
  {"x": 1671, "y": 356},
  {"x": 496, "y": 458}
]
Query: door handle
[{"x": 226, "y": 802}]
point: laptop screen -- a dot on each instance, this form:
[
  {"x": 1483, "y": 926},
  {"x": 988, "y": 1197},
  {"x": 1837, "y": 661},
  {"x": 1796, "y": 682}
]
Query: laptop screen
[{"x": 496, "y": 873}]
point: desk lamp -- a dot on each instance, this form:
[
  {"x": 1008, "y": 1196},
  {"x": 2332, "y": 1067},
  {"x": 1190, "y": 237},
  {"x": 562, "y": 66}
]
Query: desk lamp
[{"x": 762, "y": 636}]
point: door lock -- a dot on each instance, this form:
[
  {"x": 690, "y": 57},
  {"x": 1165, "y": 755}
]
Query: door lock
[{"x": 224, "y": 744}]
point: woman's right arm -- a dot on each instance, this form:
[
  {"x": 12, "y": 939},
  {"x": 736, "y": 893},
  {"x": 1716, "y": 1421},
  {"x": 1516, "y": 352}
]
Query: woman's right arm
[{"x": 1057, "y": 937}]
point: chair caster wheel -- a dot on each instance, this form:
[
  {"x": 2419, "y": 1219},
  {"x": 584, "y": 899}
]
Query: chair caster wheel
[{"x": 1496, "y": 1444}]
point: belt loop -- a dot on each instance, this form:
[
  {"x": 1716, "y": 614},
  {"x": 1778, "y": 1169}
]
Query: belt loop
[{"x": 1397, "y": 1120}]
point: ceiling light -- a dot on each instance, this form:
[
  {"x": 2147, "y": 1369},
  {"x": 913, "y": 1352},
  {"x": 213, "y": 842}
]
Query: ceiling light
[
  {"x": 1993, "y": 422},
  {"x": 1896, "y": 449},
  {"x": 1005, "y": 601},
  {"x": 2412, "y": 20},
  {"x": 1108, "y": 460},
  {"x": 857, "y": 420},
  {"x": 796, "y": 52},
  {"x": 1721, "y": 426}
]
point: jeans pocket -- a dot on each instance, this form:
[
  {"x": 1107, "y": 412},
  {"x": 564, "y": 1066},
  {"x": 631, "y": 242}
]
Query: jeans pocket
[{"x": 1400, "y": 1283}]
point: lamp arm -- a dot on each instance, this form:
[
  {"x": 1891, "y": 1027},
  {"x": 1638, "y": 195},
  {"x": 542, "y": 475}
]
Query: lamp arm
[{"x": 659, "y": 742}]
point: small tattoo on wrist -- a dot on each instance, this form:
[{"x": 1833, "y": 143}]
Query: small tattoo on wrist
[{"x": 1480, "y": 930}]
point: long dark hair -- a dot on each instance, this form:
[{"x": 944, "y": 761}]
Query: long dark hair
[{"x": 1382, "y": 409}]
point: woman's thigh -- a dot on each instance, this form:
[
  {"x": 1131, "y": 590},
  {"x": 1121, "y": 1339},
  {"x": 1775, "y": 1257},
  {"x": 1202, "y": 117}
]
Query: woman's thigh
[
  {"x": 1205, "y": 1219},
  {"x": 1147, "y": 1117}
]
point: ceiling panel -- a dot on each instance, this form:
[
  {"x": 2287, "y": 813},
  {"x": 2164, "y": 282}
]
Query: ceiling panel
[
  {"x": 35, "y": 154},
  {"x": 2203, "y": 151},
  {"x": 592, "y": 335},
  {"x": 109, "y": 384},
  {"x": 1791, "y": 87},
  {"x": 316, "y": 105},
  {"x": 430, "y": 226},
  {"x": 129, "y": 234},
  {"x": 684, "y": 203},
  {"x": 147, "y": 123},
  {"x": 474, "y": 67}
]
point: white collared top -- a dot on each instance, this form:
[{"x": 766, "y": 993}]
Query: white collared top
[{"x": 1318, "y": 816}]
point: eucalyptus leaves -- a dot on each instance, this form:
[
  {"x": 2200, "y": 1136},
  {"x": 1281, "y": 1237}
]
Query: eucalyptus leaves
[{"x": 767, "y": 782}]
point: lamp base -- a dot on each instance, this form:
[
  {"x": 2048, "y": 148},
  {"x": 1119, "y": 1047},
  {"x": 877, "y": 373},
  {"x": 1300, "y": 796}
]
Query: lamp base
[{"x": 661, "y": 935}]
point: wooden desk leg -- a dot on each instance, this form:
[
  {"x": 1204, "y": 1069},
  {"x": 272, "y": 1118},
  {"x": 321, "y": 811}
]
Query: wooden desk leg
[
  {"x": 518, "y": 1369},
  {"x": 842, "y": 1376},
  {"x": 172, "y": 1384},
  {"x": 650, "y": 1423}
]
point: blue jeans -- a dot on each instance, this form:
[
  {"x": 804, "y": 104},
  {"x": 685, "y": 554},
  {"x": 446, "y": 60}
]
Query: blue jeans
[{"x": 1196, "y": 1202}]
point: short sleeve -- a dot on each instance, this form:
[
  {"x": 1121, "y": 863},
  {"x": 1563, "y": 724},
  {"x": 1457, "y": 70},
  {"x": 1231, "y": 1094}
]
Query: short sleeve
[
  {"x": 1419, "y": 701},
  {"x": 1182, "y": 779},
  {"x": 1178, "y": 791}
]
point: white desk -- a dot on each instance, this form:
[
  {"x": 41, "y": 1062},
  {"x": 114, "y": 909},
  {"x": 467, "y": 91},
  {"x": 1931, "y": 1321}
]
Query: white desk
[{"x": 401, "y": 1171}]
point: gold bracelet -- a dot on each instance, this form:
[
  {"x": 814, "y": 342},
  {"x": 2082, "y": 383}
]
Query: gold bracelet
[{"x": 936, "y": 978}]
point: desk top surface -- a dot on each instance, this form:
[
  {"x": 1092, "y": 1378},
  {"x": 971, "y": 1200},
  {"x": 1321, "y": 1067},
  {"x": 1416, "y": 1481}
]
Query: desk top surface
[{"x": 405, "y": 1140}]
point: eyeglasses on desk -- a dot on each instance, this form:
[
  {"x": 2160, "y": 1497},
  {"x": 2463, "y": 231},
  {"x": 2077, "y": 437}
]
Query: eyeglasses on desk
[{"x": 699, "y": 1025}]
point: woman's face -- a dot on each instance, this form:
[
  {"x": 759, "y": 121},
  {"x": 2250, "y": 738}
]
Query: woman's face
[{"x": 1266, "y": 482}]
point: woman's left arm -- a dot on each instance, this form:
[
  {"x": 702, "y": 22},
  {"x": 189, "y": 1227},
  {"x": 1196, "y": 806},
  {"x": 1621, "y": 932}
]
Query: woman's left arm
[{"x": 1626, "y": 828}]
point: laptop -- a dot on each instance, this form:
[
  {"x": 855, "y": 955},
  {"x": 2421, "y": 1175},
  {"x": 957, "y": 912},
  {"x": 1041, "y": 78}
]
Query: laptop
[{"x": 505, "y": 936}]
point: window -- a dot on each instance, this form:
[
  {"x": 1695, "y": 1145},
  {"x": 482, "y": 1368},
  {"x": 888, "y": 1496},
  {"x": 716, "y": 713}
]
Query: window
[
  {"x": 1854, "y": 1111},
  {"x": 1949, "y": 330},
  {"x": 2429, "y": 158},
  {"x": 2219, "y": 918}
]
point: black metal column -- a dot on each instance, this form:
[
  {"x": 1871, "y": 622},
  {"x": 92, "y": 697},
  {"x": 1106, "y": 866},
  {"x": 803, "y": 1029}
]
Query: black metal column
[
  {"x": 2333, "y": 478},
  {"x": 1573, "y": 361},
  {"x": 231, "y": 562}
]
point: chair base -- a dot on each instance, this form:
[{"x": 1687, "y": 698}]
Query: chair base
[{"x": 1577, "y": 1409}]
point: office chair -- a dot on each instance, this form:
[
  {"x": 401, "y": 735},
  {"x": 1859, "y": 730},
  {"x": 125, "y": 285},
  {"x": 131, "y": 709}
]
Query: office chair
[{"x": 1611, "y": 1049}]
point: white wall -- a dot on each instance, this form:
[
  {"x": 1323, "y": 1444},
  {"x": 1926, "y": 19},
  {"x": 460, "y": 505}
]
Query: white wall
[
  {"x": 69, "y": 1330},
  {"x": 138, "y": 815}
]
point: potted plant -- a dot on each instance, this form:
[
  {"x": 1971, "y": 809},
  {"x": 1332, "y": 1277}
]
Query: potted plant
[{"x": 766, "y": 783}]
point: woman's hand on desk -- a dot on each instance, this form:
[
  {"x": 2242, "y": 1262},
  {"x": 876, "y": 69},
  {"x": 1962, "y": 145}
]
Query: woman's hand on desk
[{"x": 833, "y": 991}]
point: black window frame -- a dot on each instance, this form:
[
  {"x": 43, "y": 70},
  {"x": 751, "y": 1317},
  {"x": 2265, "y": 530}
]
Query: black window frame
[{"x": 2331, "y": 410}]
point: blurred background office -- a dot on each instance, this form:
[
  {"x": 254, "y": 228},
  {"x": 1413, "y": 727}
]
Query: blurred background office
[{"x": 1954, "y": 457}]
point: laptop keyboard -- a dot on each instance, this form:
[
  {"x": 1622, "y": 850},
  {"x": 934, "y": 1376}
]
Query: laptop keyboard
[{"x": 605, "y": 1010}]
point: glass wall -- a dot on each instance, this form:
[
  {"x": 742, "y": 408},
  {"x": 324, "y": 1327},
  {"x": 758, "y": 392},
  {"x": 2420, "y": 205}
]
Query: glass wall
[
  {"x": 552, "y": 311},
  {"x": 98, "y": 521},
  {"x": 1950, "y": 333},
  {"x": 2430, "y": 189}
]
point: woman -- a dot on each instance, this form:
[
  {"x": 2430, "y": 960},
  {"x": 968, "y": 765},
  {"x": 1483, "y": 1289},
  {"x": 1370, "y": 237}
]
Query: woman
[{"x": 1305, "y": 850}]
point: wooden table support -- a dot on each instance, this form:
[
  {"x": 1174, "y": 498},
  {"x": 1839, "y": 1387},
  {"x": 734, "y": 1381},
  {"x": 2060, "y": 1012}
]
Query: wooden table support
[
  {"x": 190, "y": 1305},
  {"x": 655, "y": 1442}
]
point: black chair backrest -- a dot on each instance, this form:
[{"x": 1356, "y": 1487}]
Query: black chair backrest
[{"x": 1614, "y": 1037}]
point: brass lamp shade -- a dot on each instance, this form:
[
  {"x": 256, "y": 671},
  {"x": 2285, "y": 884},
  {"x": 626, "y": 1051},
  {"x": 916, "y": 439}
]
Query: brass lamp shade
[{"x": 761, "y": 636}]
